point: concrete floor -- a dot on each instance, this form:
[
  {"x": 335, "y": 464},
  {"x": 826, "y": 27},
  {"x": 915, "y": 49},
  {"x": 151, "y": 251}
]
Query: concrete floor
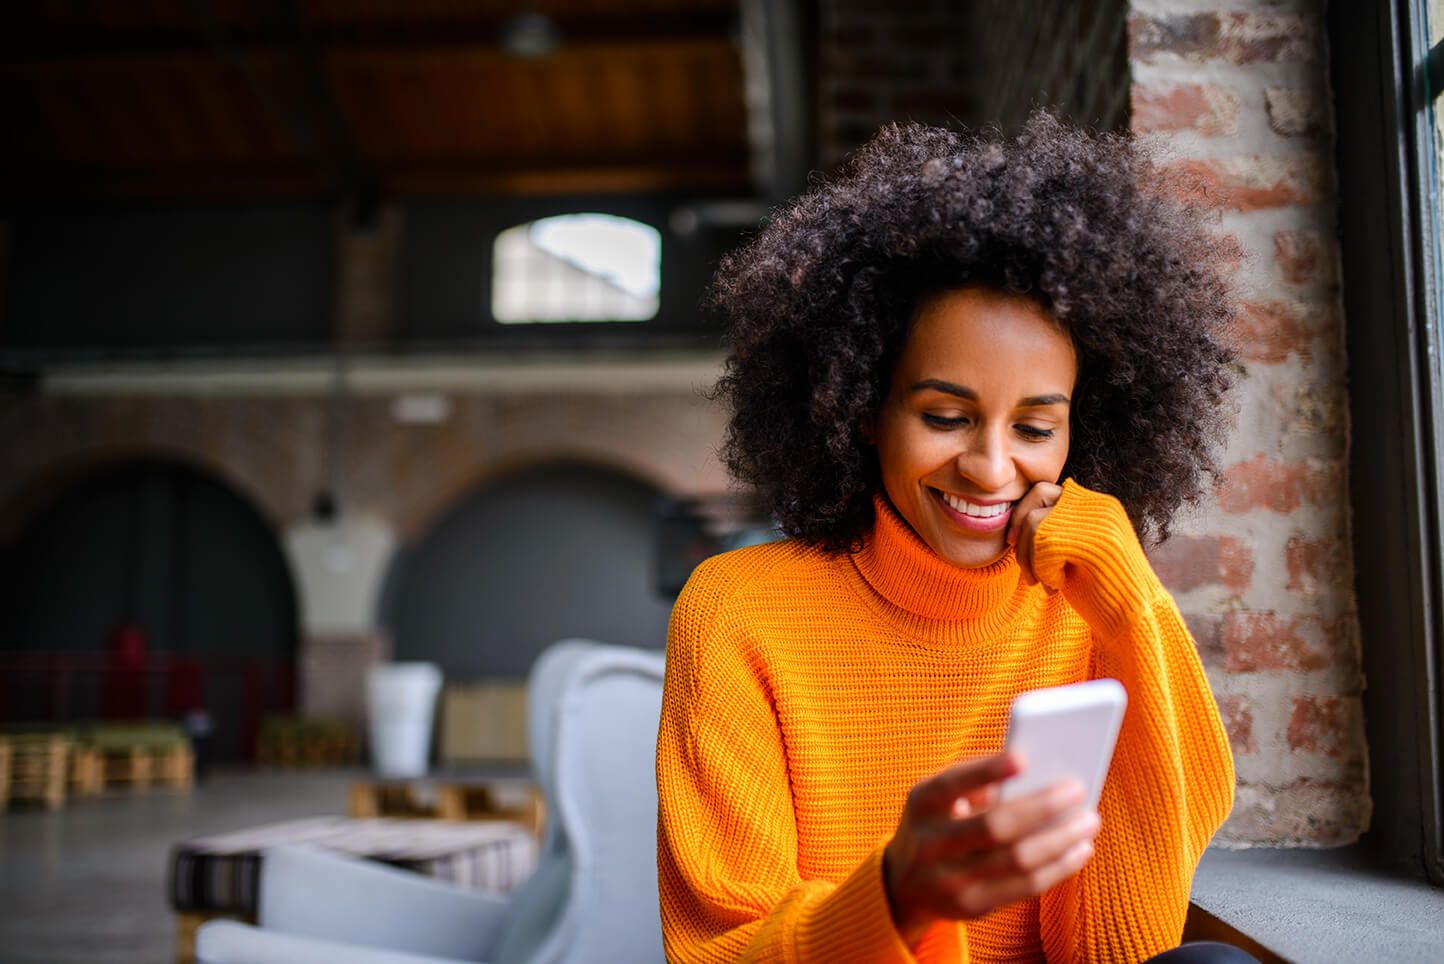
[
  {"x": 1323, "y": 906},
  {"x": 87, "y": 883}
]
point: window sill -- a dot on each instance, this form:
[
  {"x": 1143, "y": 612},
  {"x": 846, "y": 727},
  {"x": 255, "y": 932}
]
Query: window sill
[{"x": 1315, "y": 905}]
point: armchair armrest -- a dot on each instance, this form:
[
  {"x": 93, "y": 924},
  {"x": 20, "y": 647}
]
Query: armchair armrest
[
  {"x": 308, "y": 892},
  {"x": 231, "y": 942}
]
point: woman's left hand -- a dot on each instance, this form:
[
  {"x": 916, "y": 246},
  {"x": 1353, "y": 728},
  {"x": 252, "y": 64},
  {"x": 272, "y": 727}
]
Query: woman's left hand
[{"x": 1028, "y": 514}]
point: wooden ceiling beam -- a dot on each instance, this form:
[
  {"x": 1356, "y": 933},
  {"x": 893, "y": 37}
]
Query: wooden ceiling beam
[
  {"x": 73, "y": 184},
  {"x": 712, "y": 173},
  {"x": 607, "y": 31},
  {"x": 703, "y": 175},
  {"x": 389, "y": 55}
]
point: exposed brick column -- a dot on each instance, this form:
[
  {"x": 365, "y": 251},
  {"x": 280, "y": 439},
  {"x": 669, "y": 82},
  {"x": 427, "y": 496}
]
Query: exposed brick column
[
  {"x": 366, "y": 266},
  {"x": 880, "y": 62},
  {"x": 966, "y": 64},
  {"x": 1237, "y": 94}
]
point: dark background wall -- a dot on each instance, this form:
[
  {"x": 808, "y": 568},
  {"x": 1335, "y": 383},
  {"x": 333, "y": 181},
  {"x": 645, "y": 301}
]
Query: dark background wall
[
  {"x": 107, "y": 281},
  {"x": 169, "y": 277},
  {"x": 557, "y": 550},
  {"x": 158, "y": 544}
]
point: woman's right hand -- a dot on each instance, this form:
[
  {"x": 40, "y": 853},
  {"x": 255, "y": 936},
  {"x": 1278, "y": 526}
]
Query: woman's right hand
[{"x": 958, "y": 853}]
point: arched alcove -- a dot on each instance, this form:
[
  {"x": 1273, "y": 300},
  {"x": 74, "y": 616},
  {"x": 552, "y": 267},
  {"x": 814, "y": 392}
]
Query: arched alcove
[
  {"x": 536, "y": 555},
  {"x": 166, "y": 548}
]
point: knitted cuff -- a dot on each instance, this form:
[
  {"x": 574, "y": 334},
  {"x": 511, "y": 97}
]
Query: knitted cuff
[{"x": 1087, "y": 547}]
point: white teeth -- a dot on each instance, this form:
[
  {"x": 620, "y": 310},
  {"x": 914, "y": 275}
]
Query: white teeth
[{"x": 979, "y": 511}]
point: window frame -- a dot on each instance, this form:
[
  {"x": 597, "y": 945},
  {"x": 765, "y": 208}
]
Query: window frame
[
  {"x": 1396, "y": 404},
  {"x": 445, "y": 276}
]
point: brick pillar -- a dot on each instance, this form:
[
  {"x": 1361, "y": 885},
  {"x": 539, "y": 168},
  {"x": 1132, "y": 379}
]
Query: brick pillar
[
  {"x": 1238, "y": 97},
  {"x": 366, "y": 265},
  {"x": 339, "y": 567}
]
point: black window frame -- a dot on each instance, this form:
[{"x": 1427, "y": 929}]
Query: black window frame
[
  {"x": 446, "y": 262},
  {"x": 1379, "y": 55}
]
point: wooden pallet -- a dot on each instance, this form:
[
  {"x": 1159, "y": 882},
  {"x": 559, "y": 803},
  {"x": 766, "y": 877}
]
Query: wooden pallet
[
  {"x": 305, "y": 741},
  {"x": 442, "y": 800},
  {"x": 141, "y": 767},
  {"x": 38, "y": 770},
  {"x": 129, "y": 767},
  {"x": 185, "y": 931},
  {"x": 304, "y": 747},
  {"x": 87, "y": 771},
  {"x": 4, "y": 773},
  {"x": 307, "y": 752},
  {"x": 175, "y": 767}
]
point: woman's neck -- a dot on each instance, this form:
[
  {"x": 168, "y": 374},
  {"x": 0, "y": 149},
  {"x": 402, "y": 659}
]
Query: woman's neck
[{"x": 902, "y": 569}]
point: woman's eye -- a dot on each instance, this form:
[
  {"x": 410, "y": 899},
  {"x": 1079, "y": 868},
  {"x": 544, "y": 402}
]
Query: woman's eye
[
  {"x": 945, "y": 421},
  {"x": 1034, "y": 432}
]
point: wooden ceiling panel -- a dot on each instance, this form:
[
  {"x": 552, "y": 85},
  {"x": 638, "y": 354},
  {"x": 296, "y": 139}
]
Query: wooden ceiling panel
[
  {"x": 585, "y": 102},
  {"x": 625, "y": 102},
  {"x": 251, "y": 97},
  {"x": 720, "y": 119},
  {"x": 519, "y": 114},
  {"x": 76, "y": 27},
  {"x": 168, "y": 111},
  {"x": 336, "y": 14}
]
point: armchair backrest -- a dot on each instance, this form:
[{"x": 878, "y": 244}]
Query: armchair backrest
[{"x": 593, "y": 898}]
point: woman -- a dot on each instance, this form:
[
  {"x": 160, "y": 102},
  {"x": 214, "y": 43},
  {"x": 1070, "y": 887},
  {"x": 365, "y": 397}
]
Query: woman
[{"x": 962, "y": 374}]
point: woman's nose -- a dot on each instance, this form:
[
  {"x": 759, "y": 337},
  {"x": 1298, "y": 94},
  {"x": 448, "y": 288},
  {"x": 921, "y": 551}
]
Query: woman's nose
[{"x": 986, "y": 462}]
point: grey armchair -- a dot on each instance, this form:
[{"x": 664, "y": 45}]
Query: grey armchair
[{"x": 593, "y": 721}]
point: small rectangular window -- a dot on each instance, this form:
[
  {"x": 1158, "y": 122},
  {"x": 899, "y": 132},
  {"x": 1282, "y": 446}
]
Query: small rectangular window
[{"x": 576, "y": 267}]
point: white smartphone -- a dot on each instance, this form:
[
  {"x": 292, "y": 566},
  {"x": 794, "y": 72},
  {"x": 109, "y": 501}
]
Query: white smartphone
[{"x": 1065, "y": 731}]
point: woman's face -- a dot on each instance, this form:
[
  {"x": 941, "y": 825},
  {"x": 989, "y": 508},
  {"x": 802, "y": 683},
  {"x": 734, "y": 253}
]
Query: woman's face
[{"x": 975, "y": 415}]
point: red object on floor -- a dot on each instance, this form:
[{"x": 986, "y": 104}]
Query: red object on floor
[
  {"x": 127, "y": 651},
  {"x": 185, "y": 687}
]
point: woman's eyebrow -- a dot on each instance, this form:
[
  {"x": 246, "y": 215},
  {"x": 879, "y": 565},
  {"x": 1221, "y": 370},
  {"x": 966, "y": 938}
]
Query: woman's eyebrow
[
  {"x": 949, "y": 388},
  {"x": 1037, "y": 401},
  {"x": 962, "y": 391}
]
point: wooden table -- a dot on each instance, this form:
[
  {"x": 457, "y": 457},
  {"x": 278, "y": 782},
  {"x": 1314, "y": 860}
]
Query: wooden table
[
  {"x": 444, "y": 797},
  {"x": 218, "y": 876}
]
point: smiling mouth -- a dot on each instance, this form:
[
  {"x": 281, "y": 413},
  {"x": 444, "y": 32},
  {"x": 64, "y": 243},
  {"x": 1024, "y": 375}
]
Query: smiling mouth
[{"x": 975, "y": 516}]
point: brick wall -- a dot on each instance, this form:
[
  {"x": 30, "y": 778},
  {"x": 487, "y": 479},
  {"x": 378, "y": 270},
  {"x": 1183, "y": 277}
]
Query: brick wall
[
  {"x": 1236, "y": 92},
  {"x": 272, "y": 449},
  {"x": 953, "y": 63}
]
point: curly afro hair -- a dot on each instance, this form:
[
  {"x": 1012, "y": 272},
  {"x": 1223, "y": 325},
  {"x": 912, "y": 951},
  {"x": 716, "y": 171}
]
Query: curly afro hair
[{"x": 819, "y": 306}]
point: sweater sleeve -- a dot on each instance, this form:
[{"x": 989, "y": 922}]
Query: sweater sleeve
[
  {"x": 1171, "y": 782},
  {"x": 726, "y": 836}
]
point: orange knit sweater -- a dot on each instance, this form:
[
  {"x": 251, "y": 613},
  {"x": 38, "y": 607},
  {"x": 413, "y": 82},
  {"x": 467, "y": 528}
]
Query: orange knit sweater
[{"x": 807, "y": 692}]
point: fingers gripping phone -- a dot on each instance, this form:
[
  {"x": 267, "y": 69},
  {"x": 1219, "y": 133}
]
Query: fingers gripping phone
[{"x": 1065, "y": 731}]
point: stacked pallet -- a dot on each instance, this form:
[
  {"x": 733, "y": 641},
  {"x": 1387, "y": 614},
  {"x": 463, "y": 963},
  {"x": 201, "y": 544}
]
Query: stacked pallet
[
  {"x": 38, "y": 768},
  {"x": 87, "y": 770},
  {"x": 305, "y": 741},
  {"x": 142, "y": 754},
  {"x": 516, "y": 801},
  {"x": 48, "y": 766}
]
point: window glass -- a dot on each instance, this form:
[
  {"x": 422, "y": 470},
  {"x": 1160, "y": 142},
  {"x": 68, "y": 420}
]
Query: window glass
[
  {"x": 1436, "y": 111},
  {"x": 576, "y": 267},
  {"x": 1431, "y": 235}
]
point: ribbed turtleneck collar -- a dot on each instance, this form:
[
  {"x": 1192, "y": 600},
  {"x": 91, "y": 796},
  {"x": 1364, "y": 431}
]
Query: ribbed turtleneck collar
[{"x": 905, "y": 572}]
